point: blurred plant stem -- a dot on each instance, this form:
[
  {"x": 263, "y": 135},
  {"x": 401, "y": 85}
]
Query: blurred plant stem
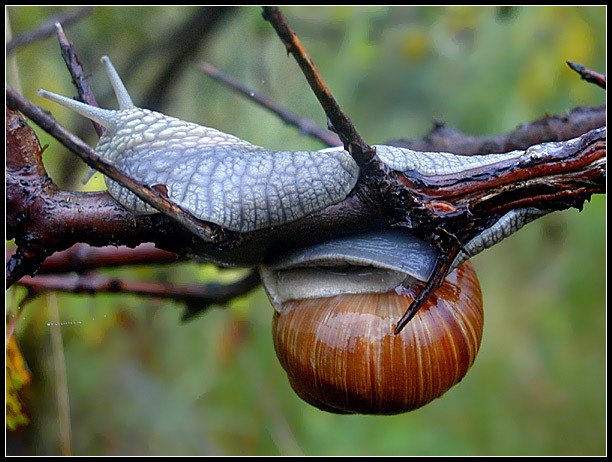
[{"x": 61, "y": 383}]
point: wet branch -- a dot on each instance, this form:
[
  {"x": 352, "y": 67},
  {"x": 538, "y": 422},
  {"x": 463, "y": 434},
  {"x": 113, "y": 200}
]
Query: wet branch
[
  {"x": 81, "y": 258},
  {"x": 196, "y": 297},
  {"x": 43, "y": 219}
]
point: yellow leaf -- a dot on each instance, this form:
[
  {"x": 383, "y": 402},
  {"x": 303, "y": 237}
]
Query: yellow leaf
[{"x": 17, "y": 378}]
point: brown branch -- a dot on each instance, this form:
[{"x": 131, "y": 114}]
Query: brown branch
[
  {"x": 588, "y": 74},
  {"x": 339, "y": 122},
  {"x": 196, "y": 297},
  {"x": 549, "y": 176}
]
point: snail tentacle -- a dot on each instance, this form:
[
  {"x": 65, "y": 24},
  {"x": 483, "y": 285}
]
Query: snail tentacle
[
  {"x": 105, "y": 117},
  {"x": 123, "y": 97}
]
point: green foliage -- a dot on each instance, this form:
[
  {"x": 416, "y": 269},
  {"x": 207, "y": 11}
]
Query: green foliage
[{"x": 141, "y": 382}]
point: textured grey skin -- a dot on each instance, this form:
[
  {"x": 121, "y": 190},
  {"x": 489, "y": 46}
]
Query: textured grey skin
[
  {"x": 508, "y": 224},
  {"x": 230, "y": 182},
  {"x": 437, "y": 163},
  {"x": 220, "y": 178},
  {"x": 217, "y": 177}
]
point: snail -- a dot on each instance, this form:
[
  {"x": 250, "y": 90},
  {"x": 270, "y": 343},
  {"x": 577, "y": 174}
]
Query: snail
[
  {"x": 320, "y": 293},
  {"x": 222, "y": 179},
  {"x": 335, "y": 309}
]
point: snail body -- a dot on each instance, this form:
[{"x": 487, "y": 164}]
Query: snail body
[
  {"x": 216, "y": 176},
  {"x": 222, "y": 179},
  {"x": 335, "y": 310}
]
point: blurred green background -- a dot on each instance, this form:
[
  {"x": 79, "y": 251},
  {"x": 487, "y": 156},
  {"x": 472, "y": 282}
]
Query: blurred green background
[{"x": 139, "y": 381}]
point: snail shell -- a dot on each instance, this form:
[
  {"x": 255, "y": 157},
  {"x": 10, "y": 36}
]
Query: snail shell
[{"x": 339, "y": 351}]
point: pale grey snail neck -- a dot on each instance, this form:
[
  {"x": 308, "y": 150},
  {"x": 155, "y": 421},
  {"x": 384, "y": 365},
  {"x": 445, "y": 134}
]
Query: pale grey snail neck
[{"x": 507, "y": 225}]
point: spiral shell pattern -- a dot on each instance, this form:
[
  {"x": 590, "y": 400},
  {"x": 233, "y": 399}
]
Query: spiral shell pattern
[{"x": 341, "y": 355}]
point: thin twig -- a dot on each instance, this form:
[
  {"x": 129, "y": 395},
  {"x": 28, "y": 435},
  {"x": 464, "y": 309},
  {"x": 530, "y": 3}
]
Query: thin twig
[
  {"x": 441, "y": 137},
  {"x": 588, "y": 74},
  {"x": 79, "y": 77},
  {"x": 47, "y": 28},
  {"x": 196, "y": 297},
  {"x": 305, "y": 125},
  {"x": 553, "y": 127},
  {"x": 338, "y": 120},
  {"x": 441, "y": 270}
]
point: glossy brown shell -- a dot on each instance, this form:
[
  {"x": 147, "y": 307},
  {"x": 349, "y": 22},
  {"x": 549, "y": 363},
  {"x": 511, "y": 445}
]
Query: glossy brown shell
[{"x": 341, "y": 355}]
